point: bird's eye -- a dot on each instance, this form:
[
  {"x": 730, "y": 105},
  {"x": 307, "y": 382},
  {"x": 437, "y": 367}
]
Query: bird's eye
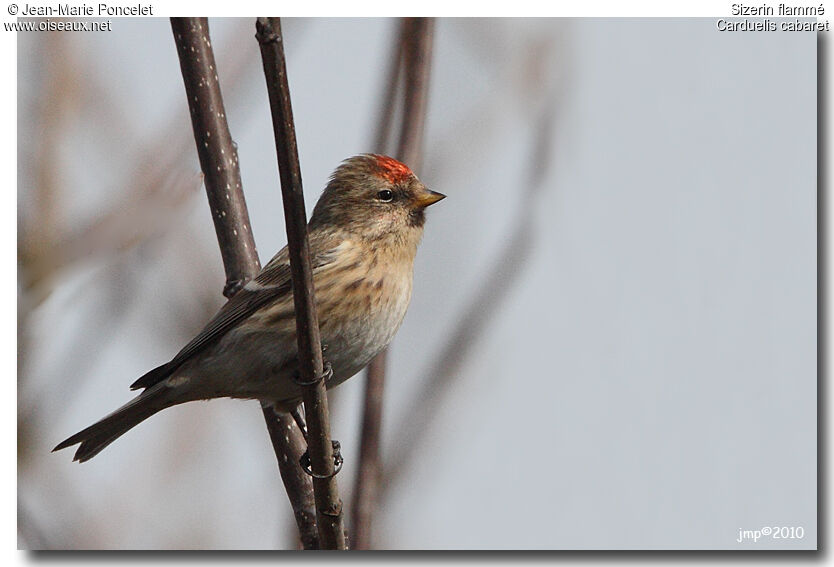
[{"x": 386, "y": 196}]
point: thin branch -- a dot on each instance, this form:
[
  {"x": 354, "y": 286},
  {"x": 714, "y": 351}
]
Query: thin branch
[
  {"x": 368, "y": 470},
  {"x": 38, "y": 228},
  {"x": 157, "y": 186},
  {"x": 497, "y": 281},
  {"x": 285, "y": 435},
  {"x": 389, "y": 99},
  {"x": 367, "y": 473},
  {"x": 328, "y": 505},
  {"x": 417, "y": 52},
  {"x": 414, "y": 52},
  {"x": 39, "y": 232},
  {"x": 217, "y": 152},
  {"x": 218, "y": 160},
  {"x": 436, "y": 383}
]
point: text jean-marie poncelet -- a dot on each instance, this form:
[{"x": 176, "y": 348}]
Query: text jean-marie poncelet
[{"x": 88, "y": 10}]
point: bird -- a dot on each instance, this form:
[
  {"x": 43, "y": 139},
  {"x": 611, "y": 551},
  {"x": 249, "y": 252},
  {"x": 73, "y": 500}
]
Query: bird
[{"x": 363, "y": 235}]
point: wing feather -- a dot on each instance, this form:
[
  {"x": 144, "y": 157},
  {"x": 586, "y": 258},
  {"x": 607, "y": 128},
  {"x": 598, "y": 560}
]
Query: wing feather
[{"x": 272, "y": 283}]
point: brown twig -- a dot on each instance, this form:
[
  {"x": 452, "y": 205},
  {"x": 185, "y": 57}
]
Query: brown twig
[
  {"x": 328, "y": 505},
  {"x": 497, "y": 281},
  {"x": 218, "y": 160},
  {"x": 37, "y": 230},
  {"x": 217, "y": 152},
  {"x": 368, "y": 469},
  {"x": 36, "y": 249},
  {"x": 157, "y": 187},
  {"x": 385, "y": 118},
  {"x": 286, "y": 436},
  {"x": 414, "y": 53},
  {"x": 418, "y": 34}
]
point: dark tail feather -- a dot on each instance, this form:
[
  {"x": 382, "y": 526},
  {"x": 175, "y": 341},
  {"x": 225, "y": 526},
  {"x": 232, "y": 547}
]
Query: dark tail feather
[
  {"x": 155, "y": 376},
  {"x": 99, "y": 435}
]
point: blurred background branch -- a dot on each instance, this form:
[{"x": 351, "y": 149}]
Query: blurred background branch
[
  {"x": 158, "y": 188},
  {"x": 413, "y": 51},
  {"x": 498, "y": 280},
  {"x": 150, "y": 199}
]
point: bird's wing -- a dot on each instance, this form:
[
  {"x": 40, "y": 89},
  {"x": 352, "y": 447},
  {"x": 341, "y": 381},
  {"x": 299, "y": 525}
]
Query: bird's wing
[{"x": 272, "y": 283}]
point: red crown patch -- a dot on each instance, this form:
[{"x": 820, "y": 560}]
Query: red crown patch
[{"x": 392, "y": 170}]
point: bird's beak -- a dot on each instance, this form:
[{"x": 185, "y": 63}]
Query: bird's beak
[{"x": 429, "y": 197}]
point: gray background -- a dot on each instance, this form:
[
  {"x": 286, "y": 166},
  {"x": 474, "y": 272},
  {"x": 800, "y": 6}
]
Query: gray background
[{"x": 637, "y": 372}]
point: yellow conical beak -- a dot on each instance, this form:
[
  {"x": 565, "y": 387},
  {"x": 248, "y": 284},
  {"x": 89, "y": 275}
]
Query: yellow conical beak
[{"x": 429, "y": 197}]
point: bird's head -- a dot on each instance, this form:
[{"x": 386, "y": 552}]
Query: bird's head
[{"x": 374, "y": 197}]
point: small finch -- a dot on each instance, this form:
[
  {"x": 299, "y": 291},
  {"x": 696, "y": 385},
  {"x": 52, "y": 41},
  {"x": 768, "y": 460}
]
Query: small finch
[{"x": 363, "y": 234}]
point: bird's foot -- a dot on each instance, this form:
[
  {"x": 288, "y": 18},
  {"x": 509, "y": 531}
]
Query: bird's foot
[
  {"x": 299, "y": 421},
  {"x": 326, "y": 375},
  {"x": 337, "y": 462}
]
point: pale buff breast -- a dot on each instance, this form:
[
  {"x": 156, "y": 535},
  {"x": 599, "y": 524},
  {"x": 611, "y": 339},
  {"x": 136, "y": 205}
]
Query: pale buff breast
[
  {"x": 361, "y": 301},
  {"x": 361, "y": 307}
]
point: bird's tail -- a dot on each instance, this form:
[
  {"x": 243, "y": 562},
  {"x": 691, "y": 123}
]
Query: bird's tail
[{"x": 99, "y": 435}]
